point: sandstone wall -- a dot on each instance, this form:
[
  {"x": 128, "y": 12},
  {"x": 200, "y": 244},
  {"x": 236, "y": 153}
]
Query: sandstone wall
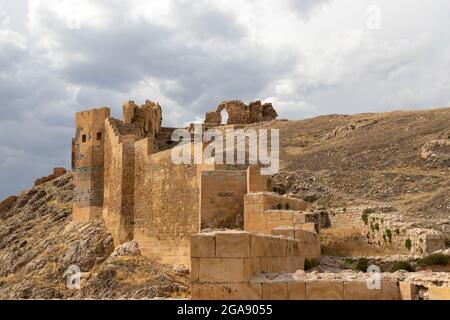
[
  {"x": 166, "y": 202},
  {"x": 118, "y": 204}
]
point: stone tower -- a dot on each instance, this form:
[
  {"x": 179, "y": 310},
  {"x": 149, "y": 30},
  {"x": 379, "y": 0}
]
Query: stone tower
[{"x": 89, "y": 163}]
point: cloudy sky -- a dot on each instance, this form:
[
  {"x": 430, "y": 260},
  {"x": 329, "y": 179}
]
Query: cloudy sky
[{"x": 308, "y": 57}]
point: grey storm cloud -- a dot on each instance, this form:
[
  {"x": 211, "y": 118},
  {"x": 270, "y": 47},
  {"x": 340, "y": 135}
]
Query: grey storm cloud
[{"x": 307, "y": 57}]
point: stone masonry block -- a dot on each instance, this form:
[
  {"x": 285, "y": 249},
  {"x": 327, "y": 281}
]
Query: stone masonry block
[
  {"x": 407, "y": 290},
  {"x": 223, "y": 270},
  {"x": 233, "y": 244},
  {"x": 194, "y": 268},
  {"x": 439, "y": 293},
  {"x": 296, "y": 290},
  {"x": 203, "y": 245},
  {"x": 389, "y": 291},
  {"x": 325, "y": 290},
  {"x": 226, "y": 291},
  {"x": 356, "y": 290},
  {"x": 275, "y": 291}
]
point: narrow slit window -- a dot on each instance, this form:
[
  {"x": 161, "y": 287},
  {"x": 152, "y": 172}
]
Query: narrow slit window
[
  {"x": 99, "y": 136},
  {"x": 83, "y": 138}
]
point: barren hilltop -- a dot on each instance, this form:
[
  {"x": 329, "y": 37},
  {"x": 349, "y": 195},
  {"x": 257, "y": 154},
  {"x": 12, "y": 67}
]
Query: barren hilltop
[{"x": 367, "y": 172}]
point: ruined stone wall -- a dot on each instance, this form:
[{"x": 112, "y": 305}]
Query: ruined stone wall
[
  {"x": 57, "y": 172},
  {"x": 89, "y": 160},
  {"x": 166, "y": 202},
  {"x": 390, "y": 231},
  {"x": 222, "y": 199},
  {"x": 146, "y": 118},
  {"x": 240, "y": 113},
  {"x": 350, "y": 218}
]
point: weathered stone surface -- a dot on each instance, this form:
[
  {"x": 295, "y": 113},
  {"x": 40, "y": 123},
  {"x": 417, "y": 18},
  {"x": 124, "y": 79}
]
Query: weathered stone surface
[
  {"x": 203, "y": 245},
  {"x": 233, "y": 244}
]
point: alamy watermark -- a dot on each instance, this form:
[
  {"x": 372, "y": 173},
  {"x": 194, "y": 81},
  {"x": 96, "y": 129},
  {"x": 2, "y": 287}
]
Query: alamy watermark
[
  {"x": 374, "y": 280},
  {"x": 373, "y": 21},
  {"x": 235, "y": 146}
]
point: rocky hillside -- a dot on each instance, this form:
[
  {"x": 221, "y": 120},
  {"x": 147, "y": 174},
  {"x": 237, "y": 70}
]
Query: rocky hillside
[
  {"x": 399, "y": 158},
  {"x": 38, "y": 243}
]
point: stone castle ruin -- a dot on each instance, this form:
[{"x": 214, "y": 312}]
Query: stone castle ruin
[{"x": 223, "y": 222}]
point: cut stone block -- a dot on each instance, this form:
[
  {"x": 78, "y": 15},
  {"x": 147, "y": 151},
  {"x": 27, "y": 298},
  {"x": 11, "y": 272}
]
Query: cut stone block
[
  {"x": 226, "y": 291},
  {"x": 356, "y": 290},
  {"x": 203, "y": 245},
  {"x": 407, "y": 290},
  {"x": 296, "y": 290},
  {"x": 325, "y": 290},
  {"x": 389, "y": 291},
  {"x": 223, "y": 270},
  {"x": 233, "y": 244},
  {"x": 439, "y": 293},
  {"x": 275, "y": 291}
]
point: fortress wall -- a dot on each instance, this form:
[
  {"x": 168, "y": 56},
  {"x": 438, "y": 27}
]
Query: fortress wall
[
  {"x": 166, "y": 202},
  {"x": 222, "y": 199},
  {"x": 88, "y": 164},
  {"x": 119, "y": 184}
]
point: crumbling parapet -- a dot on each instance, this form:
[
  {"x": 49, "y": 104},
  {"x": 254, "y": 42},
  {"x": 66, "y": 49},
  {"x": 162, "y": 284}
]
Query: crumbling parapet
[
  {"x": 240, "y": 113},
  {"x": 57, "y": 172}
]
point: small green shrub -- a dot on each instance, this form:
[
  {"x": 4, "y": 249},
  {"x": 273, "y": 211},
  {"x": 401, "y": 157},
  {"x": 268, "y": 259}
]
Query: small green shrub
[
  {"x": 397, "y": 231},
  {"x": 389, "y": 235},
  {"x": 368, "y": 210},
  {"x": 311, "y": 263},
  {"x": 402, "y": 265},
  {"x": 435, "y": 259},
  {"x": 377, "y": 226},
  {"x": 408, "y": 244},
  {"x": 365, "y": 218},
  {"x": 362, "y": 264}
]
